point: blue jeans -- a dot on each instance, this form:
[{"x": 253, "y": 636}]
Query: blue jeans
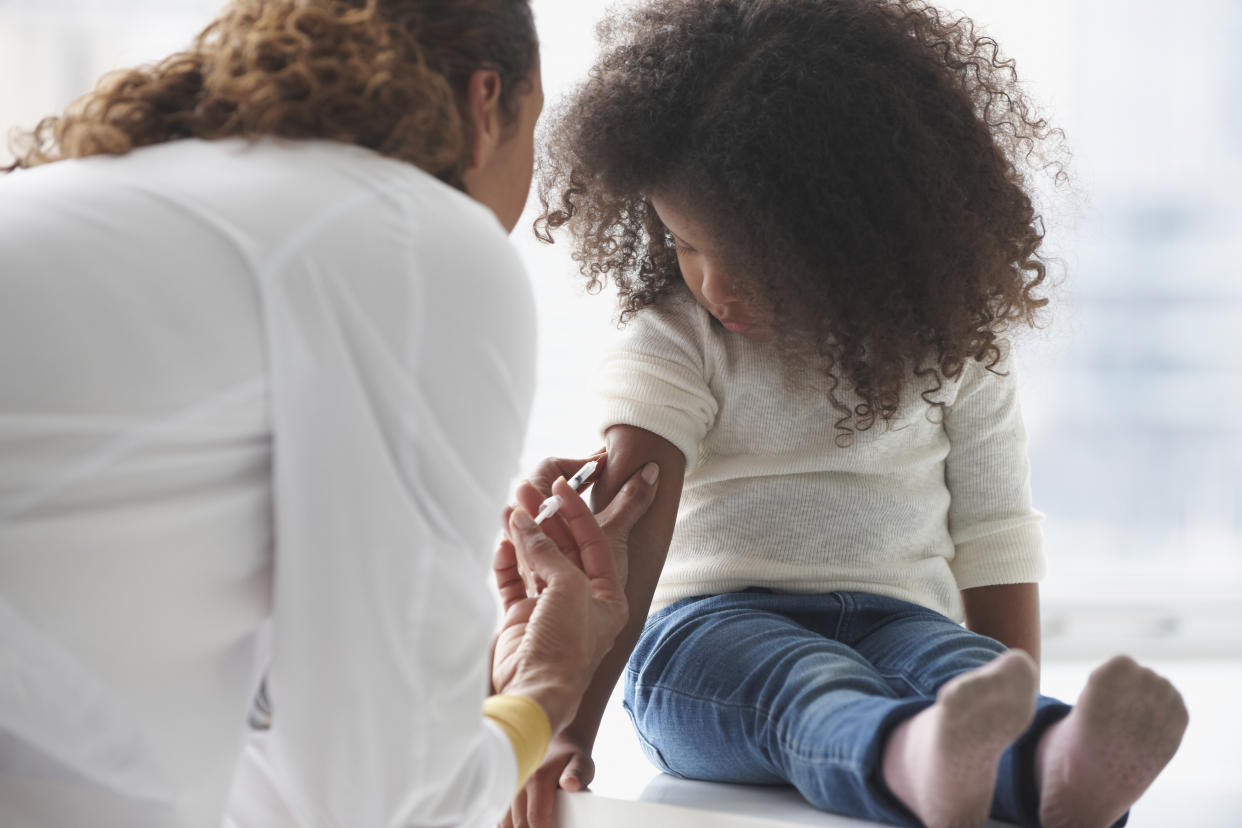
[{"x": 766, "y": 688}]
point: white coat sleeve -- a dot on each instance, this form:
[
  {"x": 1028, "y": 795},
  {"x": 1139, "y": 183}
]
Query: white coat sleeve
[{"x": 401, "y": 340}]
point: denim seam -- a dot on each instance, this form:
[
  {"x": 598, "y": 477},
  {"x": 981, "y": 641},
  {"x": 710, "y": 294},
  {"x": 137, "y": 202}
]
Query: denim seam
[
  {"x": 918, "y": 691},
  {"x": 840, "y": 616},
  {"x": 793, "y": 749}
]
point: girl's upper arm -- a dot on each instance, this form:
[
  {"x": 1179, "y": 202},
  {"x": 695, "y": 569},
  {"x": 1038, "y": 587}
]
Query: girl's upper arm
[{"x": 629, "y": 449}]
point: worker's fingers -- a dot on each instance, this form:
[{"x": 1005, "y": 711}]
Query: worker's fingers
[
  {"x": 551, "y": 468},
  {"x": 509, "y": 581},
  {"x": 631, "y": 502},
  {"x": 537, "y": 550},
  {"x": 587, "y": 536},
  {"x": 531, "y": 498}
]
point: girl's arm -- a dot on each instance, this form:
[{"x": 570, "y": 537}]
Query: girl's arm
[
  {"x": 629, "y": 448},
  {"x": 568, "y": 762},
  {"x": 998, "y": 558},
  {"x": 1007, "y": 612}
]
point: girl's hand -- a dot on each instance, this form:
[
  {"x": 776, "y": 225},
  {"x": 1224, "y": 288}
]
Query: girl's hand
[{"x": 568, "y": 765}]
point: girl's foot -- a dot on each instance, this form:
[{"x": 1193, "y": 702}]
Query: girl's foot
[
  {"x": 1095, "y": 763},
  {"x": 942, "y": 763}
]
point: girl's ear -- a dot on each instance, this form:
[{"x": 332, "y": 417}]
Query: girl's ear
[{"x": 483, "y": 110}]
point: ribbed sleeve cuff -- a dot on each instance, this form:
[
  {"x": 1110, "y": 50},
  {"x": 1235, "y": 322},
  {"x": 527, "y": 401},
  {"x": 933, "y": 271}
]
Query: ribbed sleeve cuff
[
  {"x": 527, "y": 727},
  {"x": 1013, "y": 555},
  {"x": 659, "y": 420},
  {"x": 661, "y": 396}
]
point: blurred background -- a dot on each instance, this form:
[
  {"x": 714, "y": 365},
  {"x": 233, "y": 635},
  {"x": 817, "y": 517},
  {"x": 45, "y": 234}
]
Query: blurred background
[{"x": 1132, "y": 395}]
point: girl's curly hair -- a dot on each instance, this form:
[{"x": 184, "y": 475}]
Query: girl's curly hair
[
  {"x": 384, "y": 74},
  {"x": 866, "y": 161}
]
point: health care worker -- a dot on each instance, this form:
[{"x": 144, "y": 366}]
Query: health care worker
[{"x": 267, "y": 353}]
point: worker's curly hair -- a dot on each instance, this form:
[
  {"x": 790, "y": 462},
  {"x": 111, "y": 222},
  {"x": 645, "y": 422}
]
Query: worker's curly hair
[
  {"x": 384, "y": 74},
  {"x": 866, "y": 162}
]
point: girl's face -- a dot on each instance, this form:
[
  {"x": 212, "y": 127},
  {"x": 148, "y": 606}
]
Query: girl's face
[{"x": 707, "y": 273}]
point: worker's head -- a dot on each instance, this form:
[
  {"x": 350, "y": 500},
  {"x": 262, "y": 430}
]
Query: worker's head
[{"x": 451, "y": 86}]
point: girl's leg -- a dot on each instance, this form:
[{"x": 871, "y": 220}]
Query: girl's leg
[
  {"x": 1081, "y": 768},
  {"x": 944, "y": 763},
  {"x": 1095, "y": 763},
  {"x": 832, "y": 693},
  {"x": 730, "y": 689},
  {"x": 979, "y": 740}
]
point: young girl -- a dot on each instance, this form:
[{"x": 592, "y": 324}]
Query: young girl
[{"x": 818, "y": 218}]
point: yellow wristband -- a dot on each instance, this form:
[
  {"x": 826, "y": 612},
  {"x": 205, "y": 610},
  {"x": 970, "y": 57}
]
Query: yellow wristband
[{"x": 526, "y": 725}]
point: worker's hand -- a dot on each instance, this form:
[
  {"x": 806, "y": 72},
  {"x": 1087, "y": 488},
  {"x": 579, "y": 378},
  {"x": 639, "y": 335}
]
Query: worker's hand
[
  {"x": 536, "y": 488},
  {"x": 549, "y": 645},
  {"x": 615, "y": 521},
  {"x": 568, "y": 765}
]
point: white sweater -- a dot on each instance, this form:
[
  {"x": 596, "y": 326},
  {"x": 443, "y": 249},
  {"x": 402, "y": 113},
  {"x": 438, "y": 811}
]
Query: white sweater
[
  {"x": 916, "y": 511},
  {"x": 282, "y": 381}
]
